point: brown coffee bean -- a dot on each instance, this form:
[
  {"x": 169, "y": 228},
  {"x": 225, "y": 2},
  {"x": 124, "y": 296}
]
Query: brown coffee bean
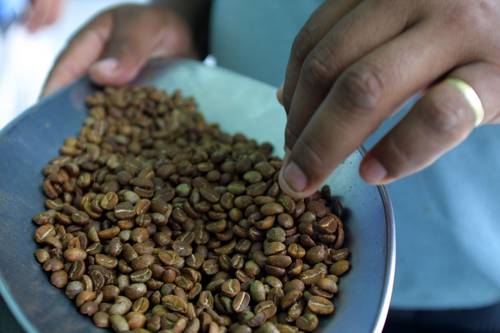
[
  {"x": 44, "y": 231},
  {"x": 241, "y": 302},
  {"x": 316, "y": 254},
  {"x": 135, "y": 291},
  {"x": 311, "y": 276},
  {"x": 340, "y": 267},
  {"x": 320, "y": 305},
  {"x": 276, "y": 234},
  {"x": 231, "y": 287},
  {"x": 106, "y": 261},
  {"x": 328, "y": 224},
  {"x": 101, "y": 319},
  {"x": 307, "y": 322},
  {"x": 141, "y": 305},
  {"x": 135, "y": 320},
  {"x": 85, "y": 296},
  {"x": 118, "y": 323},
  {"x": 110, "y": 292},
  {"x": 296, "y": 251},
  {"x": 121, "y": 306},
  {"x": 252, "y": 176},
  {"x": 109, "y": 201},
  {"x": 75, "y": 254},
  {"x": 73, "y": 288},
  {"x": 294, "y": 284},
  {"x": 272, "y": 208},
  {"x": 290, "y": 298},
  {"x": 268, "y": 308},
  {"x": 143, "y": 261},
  {"x": 174, "y": 303},
  {"x": 273, "y": 248},
  {"x": 89, "y": 308},
  {"x": 59, "y": 279}
]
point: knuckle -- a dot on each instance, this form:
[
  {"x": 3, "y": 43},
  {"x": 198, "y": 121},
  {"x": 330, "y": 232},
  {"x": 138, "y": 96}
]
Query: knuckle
[
  {"x": 317, "y": 70},
  {"x": 445, "y": 118},
  {"x": 302, "y": 45},
  {"x": 470, "y": 14},
  {"x": 319, "y": 67},
  {"x": 360, "y": 89}
]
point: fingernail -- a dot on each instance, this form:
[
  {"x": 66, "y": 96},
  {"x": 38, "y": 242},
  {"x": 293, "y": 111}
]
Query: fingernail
[
  {"x": 294, "y": 177},
  {"x": 279, "y": 94},
  {"x": 373, "y": 171},
  {"x": 106, "y": 66}
]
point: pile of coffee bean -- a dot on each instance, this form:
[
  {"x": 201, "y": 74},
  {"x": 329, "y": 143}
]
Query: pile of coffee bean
[{"x": 156, "y": 221}]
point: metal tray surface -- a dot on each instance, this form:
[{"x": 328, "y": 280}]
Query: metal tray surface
[{"x": 239, "y": 104}]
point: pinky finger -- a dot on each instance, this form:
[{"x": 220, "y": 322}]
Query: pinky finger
[{"x": 442, "y": 119}]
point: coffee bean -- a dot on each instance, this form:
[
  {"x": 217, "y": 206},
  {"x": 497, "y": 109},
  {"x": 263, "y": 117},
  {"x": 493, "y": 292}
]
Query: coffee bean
[
  {"x": 59, "y": 279},
  {"x": 241, "y": 302},
  {"x": 159, "y": 222},
  {"x": 340, "y": 267},
  {"x": 290, "y": 298},
  {"x": 101, "y": 319},
  {"x": 320, "y": 305},
  {"x": 315, "y": 254},
  {"x": 75, "y": 254},
  {"x": 174, "y": 303},
  {"x": 231, "y": 287},
  {"x": 118, "y": 323},
  {"x": 257, "y": 291},
  {"x": 272, "y": 208},
  {"x": 307, "y": 322}
]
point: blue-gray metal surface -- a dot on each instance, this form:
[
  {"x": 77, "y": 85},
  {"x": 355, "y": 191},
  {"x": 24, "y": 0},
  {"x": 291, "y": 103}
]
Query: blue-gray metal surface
[{"x": 239, "y": 104}]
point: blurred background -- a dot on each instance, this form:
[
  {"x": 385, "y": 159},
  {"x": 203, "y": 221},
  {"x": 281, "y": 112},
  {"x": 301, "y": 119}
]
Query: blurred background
[{"x": 29, "y": 45}]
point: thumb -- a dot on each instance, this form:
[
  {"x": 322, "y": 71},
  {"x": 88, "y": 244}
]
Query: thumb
[{"x": 132, "y": 45}]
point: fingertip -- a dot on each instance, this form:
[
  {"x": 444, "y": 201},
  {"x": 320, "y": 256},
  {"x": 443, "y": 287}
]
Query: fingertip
[
  {"x": 373, "y": 172},
  {"x": 279, "y": 94},
  {"x": 293, "y": 181}
]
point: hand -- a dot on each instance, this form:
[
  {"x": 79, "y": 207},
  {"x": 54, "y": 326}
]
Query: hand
[
  {"x": 116, "y": 44},
  {"x": 42, "y": 13},
  {"x": 355, "y": 61}
]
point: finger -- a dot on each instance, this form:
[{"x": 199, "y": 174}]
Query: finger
[
  {"x": 38, "y": 14},
  {"x": 311, "y": 33},
  {"x": 129, "y": 48},
  {"x": 55, "y": 11},
  {"x": 439, "y": 121},
  {"x": 82, "y": 51},
  {"x": 365, "y": 28},
  {"x": 362, "y": 98}
]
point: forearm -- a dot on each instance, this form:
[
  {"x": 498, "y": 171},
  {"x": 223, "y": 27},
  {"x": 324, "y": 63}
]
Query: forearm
[{"x": 196, "y": 13}]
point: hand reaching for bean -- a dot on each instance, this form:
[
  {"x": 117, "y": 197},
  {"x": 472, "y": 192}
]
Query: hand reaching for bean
[{"x": 355, "y": 61}]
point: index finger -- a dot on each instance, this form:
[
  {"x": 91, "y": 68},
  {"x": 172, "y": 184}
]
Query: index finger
[
  {"x": 82, "y": 51},
  {"x": 363, "y": 96}
]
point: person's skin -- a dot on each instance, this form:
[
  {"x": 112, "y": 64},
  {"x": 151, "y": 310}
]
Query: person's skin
[
  {"x": 114, "y": 45},
  {"x": 42, "y": 13},
  {"x": 355, "y": 61},
  {"x": 351, "y": 65}
]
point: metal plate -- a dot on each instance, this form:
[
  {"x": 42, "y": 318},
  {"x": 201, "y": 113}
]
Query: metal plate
[{"x": 239, "y": 104}]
